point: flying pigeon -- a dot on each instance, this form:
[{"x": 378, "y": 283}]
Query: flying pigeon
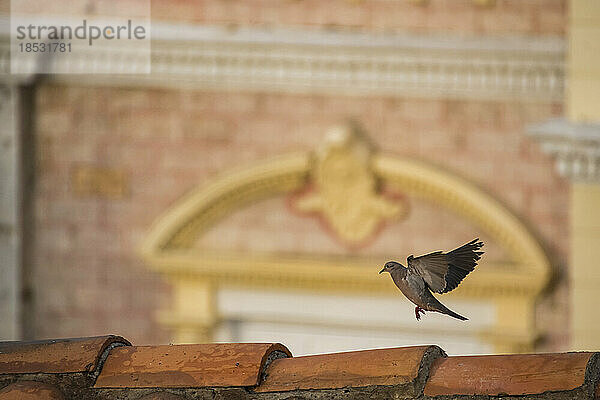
[{"x": 438, "y": 272}]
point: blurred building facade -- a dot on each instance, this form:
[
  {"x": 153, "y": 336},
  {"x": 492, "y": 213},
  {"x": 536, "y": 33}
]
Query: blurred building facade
[{"x": 250, "y": 187}]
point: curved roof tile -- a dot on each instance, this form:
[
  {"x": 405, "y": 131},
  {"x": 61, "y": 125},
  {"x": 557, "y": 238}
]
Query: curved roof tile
[
  {"x": 195, "y": 365},
  {"x": 396, "y": 366},
  {"x": 513, "y": 375},
  {"x": 57, "y": 355}
]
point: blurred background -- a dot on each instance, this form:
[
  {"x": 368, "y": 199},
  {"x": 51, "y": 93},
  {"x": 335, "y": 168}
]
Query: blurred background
[{"x": 253, "y": 184}]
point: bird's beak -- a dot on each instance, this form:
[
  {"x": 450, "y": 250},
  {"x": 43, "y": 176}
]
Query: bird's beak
[{"x": 383, "y": 270}]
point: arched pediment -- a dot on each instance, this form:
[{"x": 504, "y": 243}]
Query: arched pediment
[{"x": 169, "y": 246}]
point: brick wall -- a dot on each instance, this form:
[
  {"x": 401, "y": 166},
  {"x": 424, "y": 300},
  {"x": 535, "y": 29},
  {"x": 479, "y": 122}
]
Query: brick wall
[
  {"x": 504, "y": 17},
  {"x": 537, "y": 17},
  {"x": 162, "y": 143}
]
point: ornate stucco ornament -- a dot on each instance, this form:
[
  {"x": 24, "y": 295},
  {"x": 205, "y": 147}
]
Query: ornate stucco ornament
[{"x": 346, "y": 193}]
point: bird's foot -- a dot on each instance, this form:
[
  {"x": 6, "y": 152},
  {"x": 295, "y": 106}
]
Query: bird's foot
[{"x": 418, "y": 311}]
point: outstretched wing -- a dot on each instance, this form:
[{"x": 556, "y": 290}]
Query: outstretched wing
[{"x": 444, "y": 271}]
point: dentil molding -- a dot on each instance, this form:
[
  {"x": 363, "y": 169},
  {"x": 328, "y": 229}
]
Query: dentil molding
[
  {"x": 337, "y": 62},
  {"x": 575, "y": 147}
]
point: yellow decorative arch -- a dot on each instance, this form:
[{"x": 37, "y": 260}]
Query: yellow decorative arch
[{"x": 168, "y": 248}]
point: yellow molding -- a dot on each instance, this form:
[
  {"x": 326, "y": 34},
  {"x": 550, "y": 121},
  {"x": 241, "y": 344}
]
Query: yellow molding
[{"x": 330, "y": 274}]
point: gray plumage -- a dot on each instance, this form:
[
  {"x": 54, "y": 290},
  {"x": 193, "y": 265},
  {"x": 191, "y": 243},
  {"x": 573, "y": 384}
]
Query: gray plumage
[{"x": 438, "y": 272}]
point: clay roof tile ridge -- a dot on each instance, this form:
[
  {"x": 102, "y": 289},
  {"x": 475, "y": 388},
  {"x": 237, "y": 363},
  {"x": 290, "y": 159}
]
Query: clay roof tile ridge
[{"x": 57, "y": 355}]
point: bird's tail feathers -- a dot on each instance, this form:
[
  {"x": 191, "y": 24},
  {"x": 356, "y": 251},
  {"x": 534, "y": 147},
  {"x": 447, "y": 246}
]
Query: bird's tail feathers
[{"x": 447, "y": 311}]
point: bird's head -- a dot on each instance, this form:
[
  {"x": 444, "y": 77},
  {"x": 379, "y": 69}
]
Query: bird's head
[{"x": 390, "y": 266}]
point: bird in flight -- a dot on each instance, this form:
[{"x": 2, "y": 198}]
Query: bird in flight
[{"x": 438, "y": 272}]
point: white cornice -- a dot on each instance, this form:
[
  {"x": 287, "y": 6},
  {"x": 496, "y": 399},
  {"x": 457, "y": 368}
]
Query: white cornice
[
  {"x": 319, "y": 61},
  {"x": 575, "y": 147}
]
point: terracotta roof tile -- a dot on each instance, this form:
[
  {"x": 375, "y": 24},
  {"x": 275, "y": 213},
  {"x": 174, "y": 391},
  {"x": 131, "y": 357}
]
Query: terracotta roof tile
[
  {"x": 199, "y": 365},
  {"x": 352, "y": 369},
  {"x": 61, "y": 369},
  {"x": 29, "y": 390},
  {"x": 507, "y": 374},
  {"x": 55, "y": 356}
]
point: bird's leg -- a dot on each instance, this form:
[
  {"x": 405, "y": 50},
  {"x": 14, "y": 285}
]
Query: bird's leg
[{"x": 419, "y": 310}]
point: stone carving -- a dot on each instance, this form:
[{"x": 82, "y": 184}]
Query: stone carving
[{"x": 346, "y": 194}]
